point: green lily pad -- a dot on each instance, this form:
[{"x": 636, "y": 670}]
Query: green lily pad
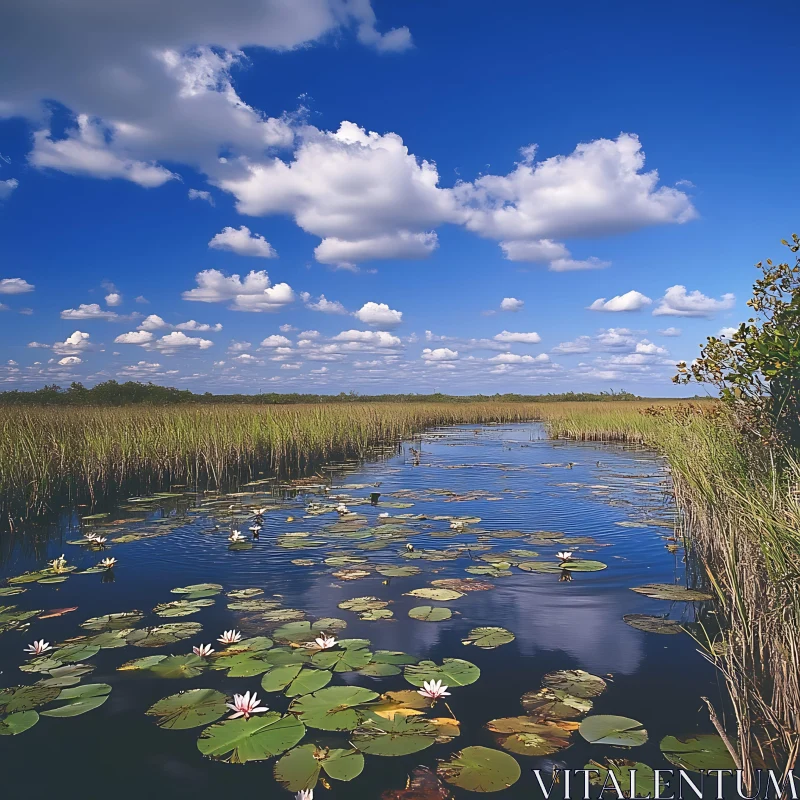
[
  {"x": 79, "y": 699},
  {"x": 305, "y": 631},
  {"x": 254, "y": 606},
  {"x": 347, "y": 660},
  {"x": 107, "y": 640},
  {"x": 263, "y": 736},
  {"x": 621, "y": 769},
  {"x": 337, "y": 708},
  {"x": 440, "y": 595},
  {"x": 198, "y": 591},
  {"x": 300, "y": 768},
  {"x": 181, "y": 608},
  {"x": 373, "y": 670},
  {"x": 18, "y": 722},
  {"x": 430, "y": 613},
  {"x": 68, "y": 675},
  {"x": 244, "y": 594},
  {"x": 360, "y": 604},
  {"x": 395, "y": 736},
  {"x": 651, "y": 624},
  {"x": 377, "y": 614},
  {"x": 389, "y": 571},
  {"x": 189, "y": 709},
  {"x": 489, "y": 638},
  {"x": 112, "y": 622},
  {"x": 696, "y": 753},
  {"x": 187, "y": 666},
  {"x": 164, "y": 634},
  {"x": 452, "y": 672},
  {"x": 25, "y": 698},
  {"x": 480, "y": 769},
  {"x": 11, "y": 617},
  {"x": 394, "y": 657},
  {"x": 7, "y": 591},
  {"x": 528, "y": 736},
  {"x": 555, "y": 704},
  {"x": 670, "y": 591},
  {"x": 296, "y": 680},
  {"x": 73, "y": 653},
  {"x": 576, "y": 682},
  {"x": 612, "y": 730}
]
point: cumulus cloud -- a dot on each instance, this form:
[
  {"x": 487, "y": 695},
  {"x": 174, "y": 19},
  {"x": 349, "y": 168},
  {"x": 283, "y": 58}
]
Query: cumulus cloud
[
  {"x": 670, "y": 331},
  {"x": 514, "y": 358},
  {"x": 201, "y": 327},
  {"x": 253, "y": 293},
  {"x": 75, "y": 343},
  {"x": 153, "y": 323},
  {"x": 541, "y": 250},
  {"x": 135, "y": 337},
  {"x": 379, "y": 315},
  {"x": 630, "y": 301},
  {"x": 574, "y": 265},
  {"x": 439, "y": 354},
  {"x": 15, "y": 286},
  {"x": 243, "y": 242},
  {"x": 583, "y": 344},
  {"x": 376, "y": 338},
  {"x": 647, "y": 348},
  {"x": 177, "y": 340},
  {"x": 677, "y": 302},
  {"x": 7, "y": 187},
  {"x": 521, "y": 338},
  {"x": 239, "y": 347},
  {"x": 726, "y": 333},
  {"x": 113, "y": 299},
  {"x": 200, "y": 194},
  {"x": 88, "y": 311},
  {"x": 275, "y": 341},
  {"x": 70, "y": 361},
  {"x": 511, "y": 304},
  {"x": 322, "y": 304}
]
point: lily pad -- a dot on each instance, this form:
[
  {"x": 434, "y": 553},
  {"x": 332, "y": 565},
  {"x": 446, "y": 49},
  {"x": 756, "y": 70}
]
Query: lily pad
[
  {"x": 305, "y": 631},
  {"x": 68, "y": 675},
  {"x": 576, "y": 682},
  {"x": 377, "y": 614},
  {"x": 480, "y": 769},
  {"x": 397, "y": 736},
  {"x": 254, "y": 606},
  {"x": 189, "y": 709},
  {"x": 622, "y": 770},
  {"x": 113, "y": 622},
  {"x": 300, "y": 768},
  {"x": 346, "y": 660},
  {"x": 25, "y": 698},
  {"x": 337, "y": 708},
  {"x": 696, "y": 753},
  {"x": 430, "y": 613},
  {"x": 651, "y": 624},
  {"x": 78, "y": 700},
  {"x": 612, "y": 730},
  {"x": 440, "y": 595},
  {"x": 18, "y": 722},
  {"x": 244, "y": 594},
  {"x": 555, "y": 704},
  {"x": 187, "y": 666},
  {"x": 531, "y": 737},
  {"x": 199, "y": 590},
  {"x": 11, "y": 617},
  {"x": 181, "y": 608},
  {"x": 489, "y": 638},
  {"x": 296, "y": 680},
  {"x": 670, "y": 591},
  {"x": 360, "y": 604},
  {"x": 389, "y": 571},
  {"x": 164, "y": 634},
  {"x": 73, "y": 653},
  {"x": 263, "y": 736},
  {"x": 452, "y": 672},
  {"x": 463, "y": 584}
]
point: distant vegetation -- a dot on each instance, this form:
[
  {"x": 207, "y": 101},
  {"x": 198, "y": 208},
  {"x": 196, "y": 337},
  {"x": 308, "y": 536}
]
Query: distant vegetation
[{"x": 111, "y": 393}]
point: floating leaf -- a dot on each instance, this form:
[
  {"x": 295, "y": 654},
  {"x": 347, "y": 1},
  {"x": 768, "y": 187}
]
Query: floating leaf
[
  {"x": 189, "y": 709},
  {"x": 18, "y": 722},
  {"x": 337, "y": 708},
  {"x": 531, "y": 737},
  {"x": 575, "y": 682},
  {"x": 489, "y": 638},
  {"x": 263, "y": 736},
  {"x": 453, "y": 672},
  {"x": 555, "y": 704},
  {"x": 25, "y": 698},
  {"x": 164, "y": 634},
  {"x": 463, "y": 584},
  {"x": 612, "y": 730},
  {"x": 430, "y": 613},
  {"x": 697, "y": 753},
  {"x": 244, "y": 594},
  {"x": 374, "y": 670},
  {"x": 378, "y": 614},
  {"x": 78, "y": 700},
  {"x": 188, "y": 666},
  {"x": 670, "y": 591},
  {"x": 397, "y": 736},
  {"x": 389, "y": 571},
  {"x": 11, "y": 617},
  {"x": 72, "y": 653},
  {"x": 300, "y": 768},
  {"x": 441, "y": 595},
  {"x": 254, "y": 606},
  {"x": 107, "y": 640},
  {"x": 393, "y": 657},
  {"x": 113, "y": 622},
  {"x": 423, "y": 784},
  {"x": 651, "y": 624},
  {"x": 67, "y": 675},
  {"x": 199, "y": 590},
  {"x": 299, "y": 632},
  {"x": 346, "y": 660},
  {"x": 181, "y": 608},
  {"x": 360, "y": 604},
  {"x": 6, "y": 591},
  {"x": 480, "y": 769},
  {"x": 622, "y": 770}
]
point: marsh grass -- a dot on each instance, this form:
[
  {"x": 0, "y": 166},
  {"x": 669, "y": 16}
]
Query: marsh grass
[{"x": 740, "y": 506}]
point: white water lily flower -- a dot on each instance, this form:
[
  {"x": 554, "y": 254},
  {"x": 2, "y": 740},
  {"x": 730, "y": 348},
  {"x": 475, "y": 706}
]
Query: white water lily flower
[
  {"x": 101, "y": 540},
  {"x": 325, "y": 642},
  {"x": 58, "y": 564},
  {"x": 383, "y": 515},
  {"x": 230, "y": 637},
  {"x": 236, "y": 536},
  {"x": 457, "y": 525},
  {"x": 305, "y": 794},
  {"x": 259, "y": 512},
  {"x": 255, "y": 528},
  {"x": 564, "y": 555},
  {"x": 204, "y": 650},
  {"x": 245, "y": 706},
  {"x": 434, "y": 690},
  {"x": 37, "y": 648},
  {"x": 108, "y": 563},
  {"x": 342, "y": 508},
  {"x": 90, "y": 536}
]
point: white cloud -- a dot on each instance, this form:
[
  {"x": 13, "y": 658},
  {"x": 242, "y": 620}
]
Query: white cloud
[
  {"x": 322, "y": 304},
  {"x": 521, "y": 338},
  {"x": 70, "y": 361},
  {"x": 726, "y": 333},
  {"x": 153, "y": 323},
  {"x": 113, "y": 299},
  {"x": 7, "y": 187},
  {"x": 379, "y": 315},
  {"x": 142, "y": 299},
  {"x": 309, "y": 335},
  {"x": 200, "y": 194},
  {"x": 573, "y": 265},
  {"x": 630, "y": 301},
  {"x": 677, "y": 302},
  {"x": 275, "y": 341},
  {"x": 290, "y": 366},
  {"x": 75, "y": 343},
  {"x": 15, "y": 286},
  {"x": 511, "y": 304},
  {"x": 134, "y": 337},
  {"x": 200, "y": 327},
  {"x": 88, "y": 311},
  {"x": 541, "y": 250},
  {"x": 178, "y": 340},
  {"x": 439, "y": 354},
  {"x": 583, "y": 344},
  {"x": 401, "y": 244},
  {"x": 670, "y": 331},
  {"x": 287, "y": 328},
  {"x": 514, "y": 358},
  {"x": 246, "y": 358},
  {"x": 243, "y": 242},
  {"x": 616, "y": 339},
  {"x": 254, "y": 293},
  {"x": 238, "y": 347},
  {"x": 376, "y": 338},
  {"x": 647, "y": 348}
]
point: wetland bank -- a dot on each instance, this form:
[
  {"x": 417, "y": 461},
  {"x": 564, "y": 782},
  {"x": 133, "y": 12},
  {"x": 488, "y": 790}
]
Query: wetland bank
[{"x": 543, "y": 581}]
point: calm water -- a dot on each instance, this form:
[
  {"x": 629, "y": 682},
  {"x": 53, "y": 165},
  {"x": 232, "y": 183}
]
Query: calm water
[{"x": 513, "y": 479}]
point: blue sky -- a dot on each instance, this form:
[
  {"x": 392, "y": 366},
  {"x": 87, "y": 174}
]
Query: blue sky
[{"x": 517, "y": 197}]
